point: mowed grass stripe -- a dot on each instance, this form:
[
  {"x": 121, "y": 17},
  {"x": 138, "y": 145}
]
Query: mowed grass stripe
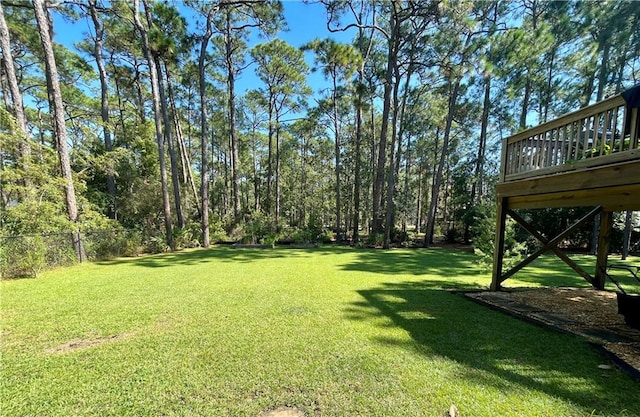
[{"x": 332, "y": 331}]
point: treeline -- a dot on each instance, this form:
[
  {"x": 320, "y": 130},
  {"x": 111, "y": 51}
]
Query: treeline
[{"x": 141, "y": 127}]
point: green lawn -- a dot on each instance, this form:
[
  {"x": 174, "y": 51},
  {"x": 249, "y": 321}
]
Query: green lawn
[{"x": 332, "y": 331}]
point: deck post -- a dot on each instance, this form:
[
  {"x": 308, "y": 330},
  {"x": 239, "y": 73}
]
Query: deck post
[
  {"x": 604, "y": 239},
  {"x": 498, "y": 247}
]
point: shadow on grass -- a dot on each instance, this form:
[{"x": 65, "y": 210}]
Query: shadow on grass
[
  {"x": 548, "y": 270},
  {"x": 496, "y": 350},
  {"x": 221, "y": 253},
  {"x": 415, "y": 262}
]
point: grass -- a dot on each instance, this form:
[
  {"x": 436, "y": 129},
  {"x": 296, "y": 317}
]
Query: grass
[{"x": 332, "y": 331}]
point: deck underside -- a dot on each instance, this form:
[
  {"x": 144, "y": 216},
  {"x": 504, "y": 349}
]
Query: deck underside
[{"x": 615, "y": 187}]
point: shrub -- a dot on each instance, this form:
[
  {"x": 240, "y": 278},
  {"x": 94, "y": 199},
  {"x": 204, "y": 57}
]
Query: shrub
[
  {"x": 22, "y": 256},
  {"x": 109, "y": 244},
  {"x": 484, "y": 241},
  {"x": 398, "y": 237},
  {"x": 375, "y": 239}
]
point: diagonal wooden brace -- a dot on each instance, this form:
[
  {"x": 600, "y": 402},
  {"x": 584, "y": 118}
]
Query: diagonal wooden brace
[
  {"x": 526, "y": 226},
  {"x": 552, "y": 243}
]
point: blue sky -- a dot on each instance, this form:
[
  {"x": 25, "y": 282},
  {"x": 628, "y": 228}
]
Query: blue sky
[{"x": 306, "y": 21}]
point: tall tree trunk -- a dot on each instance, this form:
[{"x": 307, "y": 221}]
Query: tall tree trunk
[
  {"x": 204, "y": 136},
  {"x": 396, "y": 135},
  {"x": 359, "y": 103},
  {"x": 525, "y": 103},
  {"x": 185, "y": 160},
  {"x": 437, "y": 180},
  {"x": 235, "y": 153},
  {"x": 59, "y": 124},
  {"x": 588, "y": 90},
  {"x": 405, "y": 187},
  {"x": 421, "y": 173},
  {"x": 140, "y": 104},
  {"x": 104, "y": 104},
  {"x": 277, "y": 205},
  {"x": 391, "y": 175},
  {"x": 157, "y": 116},
  {"x": 173, "y": 163},
  {"x": 357, "y": 167},
  {"x": 477, "y": 186},
  {"x": 546, "y": 97},
  {"x": 14, "y": 89},
  {"x": 604, "y": 71},
  {"x": 256, "y": 180},
  {"x": 626, "y": 238},
  {"x": 392, "y": 55},
  {"x": 336, "y": 133},
  {"x": 269, "y": 200}
]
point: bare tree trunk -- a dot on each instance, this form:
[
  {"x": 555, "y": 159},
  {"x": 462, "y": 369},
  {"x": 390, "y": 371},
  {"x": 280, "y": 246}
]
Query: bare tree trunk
[
  {"x": 477, "y": 187},
  {"x": 187, "y": 174},
  {"x": 336, "y": 133},
  {"x": 60, "y": 128},
  {"x": 157, "y": 113},
  {"x": 204, "y": 136},
  {"x": 104, "y": 104},
  {"x": 396, "y": 135},
  {"x": 604, "y": 69},
  {"x": 525, "y": 103},
  {"x": 626, "y": 239},
  {"x": 277, "y": 205},
  {"x": 437, "y": 181},
  {"x": 14, "y": 89},
  {"x": 268, "y": 201},
  {"x": 357, "y": 168},
  {"x": 391, "y": 175},
  {"x": 421, "y": 172},
  {"x": 173, "y": 163},
  {"x": 256, "y": 181},
  {"x": 235, "y": 154},
  {"x": 588, "y": 91},
  {"x": 378, "y": 183}
]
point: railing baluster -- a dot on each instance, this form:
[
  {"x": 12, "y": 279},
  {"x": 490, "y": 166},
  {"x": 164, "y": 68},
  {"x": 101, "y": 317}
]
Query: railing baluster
[
  {"x": 606, "y": 131},
  {"x": 587, "y": 123},
  {"x": 596, "y": 132},
  {"x": 592, "y": 132},
  {"x": 555, "y": 157},
  {"x": 615, "y": 131},
  {"x": 633, "y": 134},
  {"x": 565, "y": 144}
]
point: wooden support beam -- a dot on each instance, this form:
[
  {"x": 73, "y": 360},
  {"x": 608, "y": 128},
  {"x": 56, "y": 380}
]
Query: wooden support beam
[
  {"x": 550, "y": 244},
  {"x": 498, "y": 247},
  {"x": 526, "y": 226},
  {"x": 618, "y": 198},
  {"x": 622, "y": 170},
  {"x": 604, "y": 240}
]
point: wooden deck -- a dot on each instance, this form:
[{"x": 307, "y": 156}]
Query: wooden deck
[{"x": 590, "y": 157}]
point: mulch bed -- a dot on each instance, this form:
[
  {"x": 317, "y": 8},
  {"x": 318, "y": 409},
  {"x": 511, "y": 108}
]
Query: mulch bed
[{"x": 585, "y": 312}]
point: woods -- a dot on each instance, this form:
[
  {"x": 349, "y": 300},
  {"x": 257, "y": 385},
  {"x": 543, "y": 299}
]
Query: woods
[{"x": 382, "y": 129}]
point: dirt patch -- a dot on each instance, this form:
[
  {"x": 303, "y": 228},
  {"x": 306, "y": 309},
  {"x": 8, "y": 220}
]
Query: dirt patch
[
  {"x": 78, "y": 344},
  {"x": 586, "y": 312},
  {"x": 283, "y": 412}
]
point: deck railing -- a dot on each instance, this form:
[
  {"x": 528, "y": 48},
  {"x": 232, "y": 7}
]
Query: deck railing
[{"x": 605, "y": 132}]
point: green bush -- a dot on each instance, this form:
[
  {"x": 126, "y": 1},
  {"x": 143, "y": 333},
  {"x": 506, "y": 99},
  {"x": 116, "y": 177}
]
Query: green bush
[
  {"x": 109, "y": 244},
  {"x": 260, "y": 229},
  {"x": 156, "y": 244},
  {"x": 375, "y": 239},
  {"x": 484, "y": 241},
  {"x": 22, "y": 256}
]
